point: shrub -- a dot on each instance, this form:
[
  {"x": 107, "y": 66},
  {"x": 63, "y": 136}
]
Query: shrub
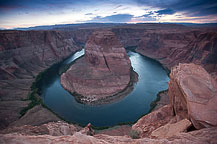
[{"x": 134, "y": 134}]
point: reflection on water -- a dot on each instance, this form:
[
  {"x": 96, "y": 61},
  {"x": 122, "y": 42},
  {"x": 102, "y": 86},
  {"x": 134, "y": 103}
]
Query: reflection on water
[{"x": 152, "y": 79}]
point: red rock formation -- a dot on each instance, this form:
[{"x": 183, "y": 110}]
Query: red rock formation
[
  {"x": 170, "y": 130},
  {"x": 150, "y": 122},
  {"x": 104, "y": 72},
  {"x": 193, "y": 95}
]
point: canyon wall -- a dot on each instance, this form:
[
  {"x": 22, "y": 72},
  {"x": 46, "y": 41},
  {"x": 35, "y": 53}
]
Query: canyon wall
[
  {"x": 24, "y": 54},
  {"x": 175, "y": 46}
]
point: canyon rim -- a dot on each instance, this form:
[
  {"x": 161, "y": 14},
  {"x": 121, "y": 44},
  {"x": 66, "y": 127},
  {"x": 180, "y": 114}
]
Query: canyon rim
[{"x": 106, "y": 72}]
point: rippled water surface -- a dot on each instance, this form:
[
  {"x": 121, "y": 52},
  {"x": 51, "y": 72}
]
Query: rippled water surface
[{"x": 152, "y": 79}]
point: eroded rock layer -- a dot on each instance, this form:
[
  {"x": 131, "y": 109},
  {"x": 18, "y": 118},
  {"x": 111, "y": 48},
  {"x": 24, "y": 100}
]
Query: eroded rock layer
[
  {"x": 103, "y": 72},
  {"x": 174, "y": 46},
  {"x": 193, "y": 95}
]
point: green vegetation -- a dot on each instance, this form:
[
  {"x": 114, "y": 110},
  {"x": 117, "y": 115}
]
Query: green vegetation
[
  {"x": 35, "y": 100},
  {"x": 134, "y": 134},
  {"x": 34, "y": 97},
  {"x": 34, "y": 94}
]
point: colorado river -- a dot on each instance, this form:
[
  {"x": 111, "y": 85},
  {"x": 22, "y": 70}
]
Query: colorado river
[{"x": 152, "y": 79}]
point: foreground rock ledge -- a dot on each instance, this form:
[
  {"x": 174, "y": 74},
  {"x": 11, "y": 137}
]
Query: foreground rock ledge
[
  {"x": 203, "y": 136},
  {"x": 103, "y": 72},
  {"x": 193, "y": 95}
]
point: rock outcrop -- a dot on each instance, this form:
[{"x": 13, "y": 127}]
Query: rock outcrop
[
  {"x": 104, "y": 71},
  {"x": 36, "y": 116},
  {"x": 203, "y": 136},
  {"x": 193, "y": 100},
  {"x": 193, "y": 95},
  {"x": 150, "y": 122},
  {"x": 52, "y": 128},
  {"x": 170, "y": 130}
]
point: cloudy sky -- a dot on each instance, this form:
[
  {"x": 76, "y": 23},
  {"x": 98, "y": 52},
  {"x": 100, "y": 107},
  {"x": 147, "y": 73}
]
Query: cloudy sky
[{"x": 26, "y": 13}]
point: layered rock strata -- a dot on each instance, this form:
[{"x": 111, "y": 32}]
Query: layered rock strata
[
  {"x": 174, "y": 46},
  {"x": 103, "y": 72}
]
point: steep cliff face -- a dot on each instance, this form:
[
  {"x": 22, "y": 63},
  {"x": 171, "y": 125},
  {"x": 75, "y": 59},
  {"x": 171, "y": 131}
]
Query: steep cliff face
[
  {"x": 103, "y": 51},
  {"x": 171, "y": 47},
  {"x": 129, "y": 36},
  {"x": 193, "y": 95},
  {"x": 23, "y": 55},
  {"x": 103, "y": 72}
]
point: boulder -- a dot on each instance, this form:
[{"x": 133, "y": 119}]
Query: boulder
[
  {"x": 193, "y": 95},
  {"x": 170, "y": 130},
  {"x": 150, "y": 122}
]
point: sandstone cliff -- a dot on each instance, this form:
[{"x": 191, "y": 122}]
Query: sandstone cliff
[
  {"x": 174, "y": 46},
  {"x": 193, "y": 95}
]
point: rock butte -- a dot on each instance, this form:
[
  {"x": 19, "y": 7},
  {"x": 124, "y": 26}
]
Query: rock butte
[{"x": 104, "y": 71}]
